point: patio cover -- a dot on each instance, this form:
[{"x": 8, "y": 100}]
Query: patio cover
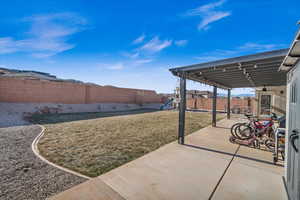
[{"x": 255, "y": 70}]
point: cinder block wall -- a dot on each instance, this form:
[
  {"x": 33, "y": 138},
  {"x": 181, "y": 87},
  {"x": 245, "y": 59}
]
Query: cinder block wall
[
  {"x": 16, "y": 90},
  {"x": 206, "y": 103}
]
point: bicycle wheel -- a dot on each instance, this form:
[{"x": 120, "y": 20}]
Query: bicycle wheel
[
  {"x": 256, "y": 144},
  {"x": 270, "y": 144},
  {"x": 232, "y": 139},
  {"x": 232, "y": 130},
  {"x": 243, "y": 131}
]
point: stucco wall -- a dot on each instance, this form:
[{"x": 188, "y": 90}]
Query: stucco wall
[{"x": 278, "y": 99}]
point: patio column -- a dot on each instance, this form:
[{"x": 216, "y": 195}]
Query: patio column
[
  {"x": 182, "y": 107},
  {"x": 228, "y": 103},
  {"x": 214, "y": 107}
]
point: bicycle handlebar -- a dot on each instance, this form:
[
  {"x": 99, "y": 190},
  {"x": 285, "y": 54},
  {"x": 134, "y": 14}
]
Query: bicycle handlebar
[{"x": 274, "y": 116}]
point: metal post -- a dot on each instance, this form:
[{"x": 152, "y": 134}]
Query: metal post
[
  {"x": 214, "y": 108},
  {"x": 182, "y": 107},
  {"x": 228, "y": 103}
]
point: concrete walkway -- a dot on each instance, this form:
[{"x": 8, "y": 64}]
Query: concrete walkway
[{"x": 207, "y": 167}]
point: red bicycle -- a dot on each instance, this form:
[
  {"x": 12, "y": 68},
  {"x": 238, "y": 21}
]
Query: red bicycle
[
  {"x": 255, "y": 132},
  {"x": 252, "y": 141}
]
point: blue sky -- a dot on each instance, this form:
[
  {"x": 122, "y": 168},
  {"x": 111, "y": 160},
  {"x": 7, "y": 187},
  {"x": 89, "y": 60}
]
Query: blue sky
[{"x": 134, "y": 43}]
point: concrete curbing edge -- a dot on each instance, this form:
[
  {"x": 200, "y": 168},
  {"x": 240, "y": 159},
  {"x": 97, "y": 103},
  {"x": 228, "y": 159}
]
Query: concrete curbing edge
[{"x": 37, "y": 153}]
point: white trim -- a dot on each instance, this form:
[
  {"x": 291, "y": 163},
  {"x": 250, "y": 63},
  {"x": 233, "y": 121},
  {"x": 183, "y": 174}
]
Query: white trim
[{"x": 36, "y": 151}]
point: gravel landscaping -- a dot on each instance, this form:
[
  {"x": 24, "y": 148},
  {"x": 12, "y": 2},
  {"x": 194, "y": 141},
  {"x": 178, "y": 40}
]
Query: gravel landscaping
[{"x": 23, "y": 175}]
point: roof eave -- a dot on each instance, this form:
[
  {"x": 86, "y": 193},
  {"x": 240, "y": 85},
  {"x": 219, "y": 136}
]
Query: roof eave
[
  {"x": 286, "y": 66},
  {"x": 231, "y": 61}
]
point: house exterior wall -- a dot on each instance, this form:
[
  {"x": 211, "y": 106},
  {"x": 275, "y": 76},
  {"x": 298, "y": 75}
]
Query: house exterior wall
[
  {"x": 278, "y": 99},
  {"x": 297, "y": 70}
]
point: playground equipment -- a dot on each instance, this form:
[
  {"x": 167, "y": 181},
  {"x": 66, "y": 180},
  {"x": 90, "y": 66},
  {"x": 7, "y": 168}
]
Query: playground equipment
[{"x": 168, "y": 105}]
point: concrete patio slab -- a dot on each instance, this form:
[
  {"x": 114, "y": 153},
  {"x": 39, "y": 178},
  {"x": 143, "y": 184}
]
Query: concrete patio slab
[
  {"x": 94, "y": 189},
  {"x": 259, "y": 159},
  {"x": 162, "y": 175},
  {"x": 214, "y": 139},
  {"x": 207, "y": 166},
  {"x": 246, "y": 182}
]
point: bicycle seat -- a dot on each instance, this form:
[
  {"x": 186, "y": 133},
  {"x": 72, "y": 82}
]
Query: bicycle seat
[
  {"x": 274, "y": 116},
  {"x": 248, "y": 115}
]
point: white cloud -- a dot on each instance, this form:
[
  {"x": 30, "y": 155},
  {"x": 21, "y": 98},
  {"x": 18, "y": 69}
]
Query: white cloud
[
  {"x": 180, "y": 43},
  {"x": 207, "y": 58},
  {"x": 133, "y": 55},
  {"x": 155, "y": 45},
  {"x": 117, "y": 66},
  {"x": 146, "y": 52},
  {"x": 143, "y": 61},
  {"x": 139, "y": 40},
  {"x": 205, "y": 8},
  {"x": 42, "y": 55},
  {"x": 3, "y": 66},
  {"x": 47, "y": 36},
  {"x": 257, "y": 46},
  {"x": 122, "y": 64},
  {"x": 7, "y": 45},
  {"x": 208, "y": 14},
  {"x": 212, "y": 17},
  {"x": 247, "y": 48}
]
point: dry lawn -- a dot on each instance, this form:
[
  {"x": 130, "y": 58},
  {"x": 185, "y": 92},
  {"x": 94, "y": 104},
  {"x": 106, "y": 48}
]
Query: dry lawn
[{"x": 95, "y": 146}]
